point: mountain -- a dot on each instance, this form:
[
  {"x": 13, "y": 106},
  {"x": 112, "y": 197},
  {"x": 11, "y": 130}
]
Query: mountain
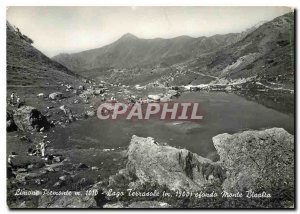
[
  {"x": 130, "y": 51},
  {"x": 266, "y": 52},
  {"x": 27, "y": 66}
]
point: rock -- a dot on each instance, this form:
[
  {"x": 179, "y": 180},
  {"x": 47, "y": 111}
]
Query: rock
[
  {"x": 28, "y": 176},
  {"x": 49, "y": 114},
  {"x": 20, "y": 170},
  {"x": 29, "y": 118},
  {"x": 173, "y": 93},
  {"x": 63, "y": 108},
  {"x": 81, "y": 87},
  {"x": 228, "y": 88},
  {"x": 62, "y": 178},
  {"x": 11, "y": 126},
  {"x": 22, "y": 205},
  {"x": 75, "y": 92},
  {"x": 165, "y": 99},
  {"x": 257, "y": 159},
  {"x": 57, "y": 184},
  {"x": 23, "y": 161},
  {"x": 69, "y": 87},
  {"x": 66, "y": 201},
  {"x": 81, "y": 201},
  {"x": 26, "y": 139},
  {"x": 83, "y": 96},
  {"x": 57, "y": 159},
  {"x": 56, "y": 96},
  {"x": 114, "y": 205},
  {"x": 138, "y": 205},
  {"x": 54, "y": 167},
  {"x": 98, "y": 92},
  {"x": 30, "y": 166},
  {"x": 75, "y": 201},
  {"x": 9, "y": 173},
  {"x": 148, "y": 204},
  {"x": 43, "y": 180},
  {"x": 68, "y": 112},
  {"x": 82, "y": 182},
  {"x": 37, "y": 181},
  {"x": 82, "y": 166},
  {"x": 10, "y": 123},
  {"x": 42, "y": 95},
  {"x": 154, "y": 97},
  {"x": 95, "y": 168},
  {"x": 178, "y": 169},
  {"x": 90, "y": 113}
]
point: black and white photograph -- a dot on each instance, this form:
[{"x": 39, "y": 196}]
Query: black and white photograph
[{"x": 138, "y": 107}]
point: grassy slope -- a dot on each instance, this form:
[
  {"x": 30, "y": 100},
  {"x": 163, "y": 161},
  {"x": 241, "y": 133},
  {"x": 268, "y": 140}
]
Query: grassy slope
[{"x": 30, "y": 72}]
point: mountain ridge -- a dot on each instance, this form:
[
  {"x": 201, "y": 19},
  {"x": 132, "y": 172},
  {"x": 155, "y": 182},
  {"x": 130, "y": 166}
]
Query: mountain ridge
[
  {"x": 104, "y": 54},
  {"x": 149, "y": 52},
  {"x": 262, "y": 50}
]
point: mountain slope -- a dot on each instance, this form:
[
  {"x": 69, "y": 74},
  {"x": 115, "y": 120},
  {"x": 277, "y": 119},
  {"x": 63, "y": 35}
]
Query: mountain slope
[
  {"x": 27, "y": 66},
  {"x": 130, "y": 51},
  {"x": 266, "y": 52}
]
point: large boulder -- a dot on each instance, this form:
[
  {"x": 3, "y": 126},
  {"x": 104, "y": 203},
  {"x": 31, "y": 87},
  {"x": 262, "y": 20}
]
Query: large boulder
[
  {"x": 257, "y": 160},
  {"x": 23, "y": 161},
  {"x": 29, "y": 118},
  {"x": 178, "y": 169},
  {"x": 251, "y": 159}
]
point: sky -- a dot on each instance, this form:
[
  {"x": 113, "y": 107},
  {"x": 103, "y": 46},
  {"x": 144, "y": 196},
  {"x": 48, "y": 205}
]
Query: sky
[{"x": 73, "y": 29}]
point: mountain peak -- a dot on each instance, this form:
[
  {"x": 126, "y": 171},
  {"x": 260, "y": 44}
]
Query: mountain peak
[{"x": 129, "y": 36}]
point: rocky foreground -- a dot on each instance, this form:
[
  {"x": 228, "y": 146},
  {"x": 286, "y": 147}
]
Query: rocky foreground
[{"x": 259, "y": 162}]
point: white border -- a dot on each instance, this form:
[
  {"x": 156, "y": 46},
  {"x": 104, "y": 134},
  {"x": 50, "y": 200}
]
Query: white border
[{"x": 5, "y": 3}]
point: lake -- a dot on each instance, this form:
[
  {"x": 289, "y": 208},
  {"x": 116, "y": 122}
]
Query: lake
[{"x": 223, "y": 113}]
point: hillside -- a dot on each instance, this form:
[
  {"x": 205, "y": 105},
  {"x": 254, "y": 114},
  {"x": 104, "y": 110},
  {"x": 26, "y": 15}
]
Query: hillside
[
  {"x": 266, "y": 52},
  {"x": 27, "y": 66}
]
